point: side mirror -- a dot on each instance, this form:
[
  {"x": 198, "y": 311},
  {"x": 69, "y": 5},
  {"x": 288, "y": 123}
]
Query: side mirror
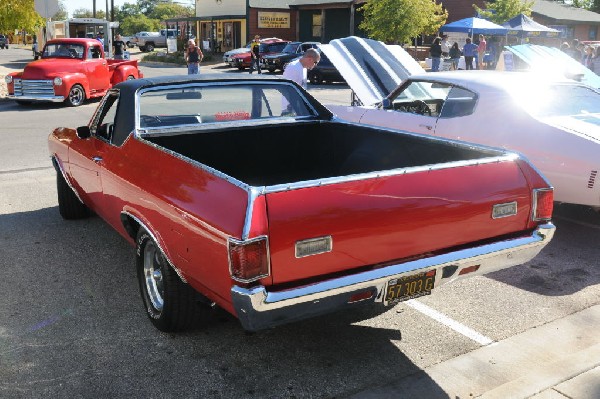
[
  {"x": 83, "y": 132},
  {"x": 386, "y": 103}
]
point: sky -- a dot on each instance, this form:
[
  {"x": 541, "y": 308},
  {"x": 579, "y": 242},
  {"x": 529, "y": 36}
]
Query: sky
[{"x": 73, "y": 5}]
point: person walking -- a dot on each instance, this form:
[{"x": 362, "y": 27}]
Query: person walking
[
  {"x": 469, "y": 51},
  {"x": 454, "y": 55},
  {"x": 435, "y": 52},
  {"x": 445, "y": 46},
  {"x": 118, "y": 48},
  {"x": 297, "y": 71},
  {"x": 481, "y": 51},
  {"x": 588, "y": 57},
  {"x": 255, "y": 54},
  {"x": 193, "y": 56}
]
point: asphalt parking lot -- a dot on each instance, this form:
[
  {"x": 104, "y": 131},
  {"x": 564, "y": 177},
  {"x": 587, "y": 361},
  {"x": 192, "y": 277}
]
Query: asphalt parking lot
[{"x": 72, "y": 322}]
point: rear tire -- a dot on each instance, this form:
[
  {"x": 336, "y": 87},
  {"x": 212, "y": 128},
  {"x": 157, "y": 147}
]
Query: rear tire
[
  {"x": 316, "y": 78},
  {"x": 149, "y": 47},
  {"x": 69, "y": 206},
  {"x": 170, "y": 303}
]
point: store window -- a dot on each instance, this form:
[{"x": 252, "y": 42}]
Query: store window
[
  {"x": 593, "y": 32},
  {"x": 316, "y": 25}
]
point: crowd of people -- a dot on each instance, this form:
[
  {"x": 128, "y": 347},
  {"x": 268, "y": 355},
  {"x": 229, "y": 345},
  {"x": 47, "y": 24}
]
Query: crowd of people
[
  {"x": 477, "y": 56},
  {"x": 588, "y": 55}
]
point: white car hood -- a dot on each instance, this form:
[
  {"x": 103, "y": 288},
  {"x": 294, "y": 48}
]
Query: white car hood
[{"x": 371, "y": 68}]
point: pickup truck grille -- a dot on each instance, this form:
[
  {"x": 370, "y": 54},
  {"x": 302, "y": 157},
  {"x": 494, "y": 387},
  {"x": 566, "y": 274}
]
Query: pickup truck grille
[{"x": 34, "y": 88}]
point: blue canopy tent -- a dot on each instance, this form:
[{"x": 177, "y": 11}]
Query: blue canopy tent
[
  {"x": 522, "y": 26},
  {"x": 474, "y": 26}
]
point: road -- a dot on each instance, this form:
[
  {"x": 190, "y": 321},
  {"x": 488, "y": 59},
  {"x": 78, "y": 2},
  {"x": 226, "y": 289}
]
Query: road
[{"x": 72, "y": 322}]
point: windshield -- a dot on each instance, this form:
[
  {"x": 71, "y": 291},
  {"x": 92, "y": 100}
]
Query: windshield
[
  {"x": 272, "y": 47},
  {"x": 579, "y": 102},
  {"x": 63, "y": 50},
  {"x": 291, "y": 48},
  {"x": 203, "y": 104}
]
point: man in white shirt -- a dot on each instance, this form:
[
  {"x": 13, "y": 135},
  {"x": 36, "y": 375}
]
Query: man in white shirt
[{"x": 296, "y": 71}]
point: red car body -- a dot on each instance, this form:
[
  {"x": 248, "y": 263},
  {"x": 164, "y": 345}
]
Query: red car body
[
  {"x": 267, "y": 47},
  {"x": 82, "y": 74},
  {"x": 286, "y": 248}
]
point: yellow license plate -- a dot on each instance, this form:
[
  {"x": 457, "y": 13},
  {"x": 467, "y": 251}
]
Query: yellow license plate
[{"x": 409, "y": 287}]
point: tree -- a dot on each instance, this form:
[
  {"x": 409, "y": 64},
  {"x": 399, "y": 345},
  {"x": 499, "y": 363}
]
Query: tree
[
  {"x": 85, "y": 13},
  {"x": 62, "y": 13},
  {"x": 19, "y": 14},
  {"x": 138, "y": 23},
  {"x": 170, "y": 10},
  {"x": 397, "y": 21},
  {"x": 127, "y": 10},
  {"x": 500, "y": 11}
]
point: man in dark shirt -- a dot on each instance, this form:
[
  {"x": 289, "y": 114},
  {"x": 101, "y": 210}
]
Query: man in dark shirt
[
  {"x": 118, "y": 46},
  {"x": 255, "y": 54}
]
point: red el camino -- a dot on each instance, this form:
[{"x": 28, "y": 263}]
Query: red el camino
[{"x": 249, "y": 194}]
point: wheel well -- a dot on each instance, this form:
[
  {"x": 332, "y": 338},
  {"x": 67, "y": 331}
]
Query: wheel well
[{"x": 131, "y": 225}]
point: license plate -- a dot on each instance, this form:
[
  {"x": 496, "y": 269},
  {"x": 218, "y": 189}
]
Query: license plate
[{"x": 409, "y": 287}]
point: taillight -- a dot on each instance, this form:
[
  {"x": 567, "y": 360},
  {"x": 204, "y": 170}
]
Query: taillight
[
  {"x": 249, "y": 259},
  {"x": 543, "y": 204}
]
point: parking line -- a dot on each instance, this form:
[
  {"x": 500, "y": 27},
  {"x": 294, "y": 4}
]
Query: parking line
[{"x": 453, "y": 324}]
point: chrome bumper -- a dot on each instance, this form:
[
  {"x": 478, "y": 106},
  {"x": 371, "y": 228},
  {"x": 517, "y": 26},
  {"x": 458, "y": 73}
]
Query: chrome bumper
[
  {"x": 258, "y": 309},
  {"x": 54, "y": 99}
]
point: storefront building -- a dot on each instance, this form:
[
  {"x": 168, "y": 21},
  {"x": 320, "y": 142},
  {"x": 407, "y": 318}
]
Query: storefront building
[{"x": 222, "y": 23}]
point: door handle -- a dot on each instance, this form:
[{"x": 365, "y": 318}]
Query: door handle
[
  {"x": 428, "y": 127},
  {"x": 97, "y": 159}
]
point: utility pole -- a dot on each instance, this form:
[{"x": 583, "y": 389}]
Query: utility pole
[{"x": 94, "y": 9}]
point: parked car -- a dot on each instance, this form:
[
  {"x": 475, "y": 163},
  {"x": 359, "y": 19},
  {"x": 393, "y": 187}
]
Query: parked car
[
  {"x": 291, "y": 51},
  {"x": 4, "y": 42},
  {"x": 70, "y": 70},
  {"x": 324, "y": 72},
  {"x": 228, "y": 55},
  {"x": 279, "y": 213},
  {"x": 129, "y": 40},
  {"x": 148, "y": 41},
  {"x": 272, "y": 46},
  {"x": 555, "y": 123}
]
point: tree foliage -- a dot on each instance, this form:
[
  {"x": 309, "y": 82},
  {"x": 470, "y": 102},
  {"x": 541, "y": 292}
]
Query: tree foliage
[
  {"x": 397, "y": 21},
  {"x": 19, "y": 14},
  {"x": 85, "y": 13},
  {"x": 138, "y": 23},
  {"x": 62, "y": 13},
  {"x": 500, "y": 11}
]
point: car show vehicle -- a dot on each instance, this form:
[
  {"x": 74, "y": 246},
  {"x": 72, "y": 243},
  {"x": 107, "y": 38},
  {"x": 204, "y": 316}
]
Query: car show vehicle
[
  {"x": 245, "y": 192},
  {"x": 70, "y": 70},
  {"x": 228, "y": 55},
  {"x": 244, "y": 60},
  {"x": 291, "y": 51},
  {"x": 324, "y": 72},
  {"x": 554, "y": 122}
]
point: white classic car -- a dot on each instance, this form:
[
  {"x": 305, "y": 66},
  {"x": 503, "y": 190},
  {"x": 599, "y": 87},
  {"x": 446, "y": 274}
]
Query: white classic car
[{"x": 555, "y": 123}]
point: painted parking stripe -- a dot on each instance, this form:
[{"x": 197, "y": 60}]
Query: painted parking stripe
[{"x": 453, "y": 324}]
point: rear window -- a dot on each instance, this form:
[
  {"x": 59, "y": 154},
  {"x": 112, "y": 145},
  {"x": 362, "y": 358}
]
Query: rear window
[
  {"x": 563, "y": 100},
  {"x": 212, "y": 104}
]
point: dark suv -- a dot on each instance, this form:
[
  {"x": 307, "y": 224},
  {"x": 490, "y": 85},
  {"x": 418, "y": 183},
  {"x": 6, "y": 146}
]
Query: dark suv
[
  {"x": 291, "y": 51},
  {"x": 3, "y": 41}
]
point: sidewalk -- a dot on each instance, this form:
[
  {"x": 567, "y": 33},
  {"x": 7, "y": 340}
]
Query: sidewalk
[{"x": 558, "y": 360}]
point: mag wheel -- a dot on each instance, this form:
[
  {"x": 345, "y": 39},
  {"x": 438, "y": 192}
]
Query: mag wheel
[{"x": 76, "y": 96}]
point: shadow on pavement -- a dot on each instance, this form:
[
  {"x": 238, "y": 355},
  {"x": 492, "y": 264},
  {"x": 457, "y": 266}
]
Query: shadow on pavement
[
  {"x": 578, "y": 235},
  {"x": 73, "y": 325}
]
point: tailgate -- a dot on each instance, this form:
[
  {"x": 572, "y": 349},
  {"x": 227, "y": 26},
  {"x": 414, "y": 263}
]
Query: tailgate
[{"x": 381, "y": 219}]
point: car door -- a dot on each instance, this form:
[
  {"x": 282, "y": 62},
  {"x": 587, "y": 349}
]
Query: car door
[
  {"x": 97, "y": 69},
  {"x": 415, "y": 107}
]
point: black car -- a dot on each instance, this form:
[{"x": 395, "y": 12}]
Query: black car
[
  {"x": 324, "y": 72},
  {"x": 293, "y": 50},
  {"x": 3, "y": 41}
]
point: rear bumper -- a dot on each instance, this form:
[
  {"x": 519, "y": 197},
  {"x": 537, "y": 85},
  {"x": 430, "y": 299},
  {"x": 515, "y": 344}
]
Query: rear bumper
[{"x": 258, "y": 308}]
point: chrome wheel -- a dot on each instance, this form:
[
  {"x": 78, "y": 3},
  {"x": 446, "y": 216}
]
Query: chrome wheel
[
  {"x": 153, "y": 276},
  {"x": 76, "y": 96}
]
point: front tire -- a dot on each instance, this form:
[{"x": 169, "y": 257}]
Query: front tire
[
  {"x": 168, "y": 301},
  {"x": 316, "y": 78},
  {"x": 69, "y": 206},
  {"x": 76, "y": 96}
]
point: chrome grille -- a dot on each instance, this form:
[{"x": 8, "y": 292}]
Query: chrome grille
[{"x": 38, "y": 88}]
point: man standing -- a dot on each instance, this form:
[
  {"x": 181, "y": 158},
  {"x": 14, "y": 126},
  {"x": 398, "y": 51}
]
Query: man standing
[
  {"x": 255, "y": 54},
  {"x": 445, "y": 46},
  {"x": 296, "y": 70},
  {"x": 193, "y": 56},
  {"x": 118, "y": 48},
  {"x": 469, "y": 51}
]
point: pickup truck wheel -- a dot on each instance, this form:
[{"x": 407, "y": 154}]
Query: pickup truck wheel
[
  {"x": 149, "y": 47},
  {"x": 168, "y": 301},
  {"x": 69, "y": 206},
  {"x": 130, "y": 77},
  {"x": 142, "y": 48},
  {"x": 76, "y": 96}
]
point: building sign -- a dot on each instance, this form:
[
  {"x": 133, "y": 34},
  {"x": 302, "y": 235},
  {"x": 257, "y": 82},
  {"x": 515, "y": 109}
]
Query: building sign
[{"x": 273, "y": 19}]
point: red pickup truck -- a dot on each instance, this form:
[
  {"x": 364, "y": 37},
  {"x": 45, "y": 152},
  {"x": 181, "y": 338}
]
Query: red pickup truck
[
  {"x": 70, "y": 70},
  {"x": 249, "y": 194}
]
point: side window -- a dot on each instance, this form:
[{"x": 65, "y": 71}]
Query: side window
[
  {"x": 460, "y": 102},
  {"x": 94, "y": 52},
  {"x": 104, "y": 127}
]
